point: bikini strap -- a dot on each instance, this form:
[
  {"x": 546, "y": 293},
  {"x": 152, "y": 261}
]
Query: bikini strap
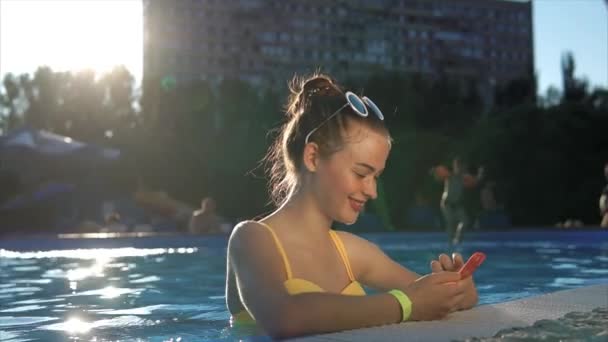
[
  {"x": 280, "y": 248},
  {"x": 343, "y": 255}
]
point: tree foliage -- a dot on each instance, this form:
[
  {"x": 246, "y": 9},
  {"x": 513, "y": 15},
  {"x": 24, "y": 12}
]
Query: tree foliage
[{"x": 199, "y": 139}]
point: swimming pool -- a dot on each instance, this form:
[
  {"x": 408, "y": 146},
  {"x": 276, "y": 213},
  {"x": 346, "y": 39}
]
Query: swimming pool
[{"x": 172, "y": 288}]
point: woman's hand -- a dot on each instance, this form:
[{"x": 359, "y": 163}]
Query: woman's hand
[
  {"x": 435, "y": 295},
  {"x": 446, "y": 264}
]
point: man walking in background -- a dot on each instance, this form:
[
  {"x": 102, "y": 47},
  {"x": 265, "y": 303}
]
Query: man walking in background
[
  {"x": 452, "y": 198},
  {"x": 604, "y": 201}
]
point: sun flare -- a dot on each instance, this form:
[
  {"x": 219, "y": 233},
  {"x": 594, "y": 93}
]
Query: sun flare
[{"x": 71, "y": 35}]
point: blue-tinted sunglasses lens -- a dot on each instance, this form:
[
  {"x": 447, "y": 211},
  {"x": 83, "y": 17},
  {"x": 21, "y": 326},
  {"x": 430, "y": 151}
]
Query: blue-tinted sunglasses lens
[
  {"x": 357, "y": 104},
  {"x": 373, "y": 107}
]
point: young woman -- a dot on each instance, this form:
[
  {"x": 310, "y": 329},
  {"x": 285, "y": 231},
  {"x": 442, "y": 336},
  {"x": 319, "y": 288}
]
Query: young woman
[{"x": 289, "y": 272}]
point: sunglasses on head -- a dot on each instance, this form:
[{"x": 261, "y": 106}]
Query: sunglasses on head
[{"x": 359, "y": 105}]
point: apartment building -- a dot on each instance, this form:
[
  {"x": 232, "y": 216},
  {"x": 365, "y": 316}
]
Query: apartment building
[{"x": 267, "y": 41}]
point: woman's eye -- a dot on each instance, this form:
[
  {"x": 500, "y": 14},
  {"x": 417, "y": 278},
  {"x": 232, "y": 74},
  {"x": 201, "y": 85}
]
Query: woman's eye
[{"x": 359, "y": 175}]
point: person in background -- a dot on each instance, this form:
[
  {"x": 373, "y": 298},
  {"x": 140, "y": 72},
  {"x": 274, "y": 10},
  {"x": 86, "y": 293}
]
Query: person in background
[
  {"x": 206, "y": 220},
  {"x": 113, "y": 224},
  {"x": 289, "y": 273},
  {"x": 604, "y": 201},
  {"x": 493, "y": 214},
  {"x": 487, "y": 196},
  {"x": 452, "y": 198}
]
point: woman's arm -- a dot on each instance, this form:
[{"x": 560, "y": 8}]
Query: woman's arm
[
  {"x": 260, "y": 276},
  {"x": 373, "y": 267}
]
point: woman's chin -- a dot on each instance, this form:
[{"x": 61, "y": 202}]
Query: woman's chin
[{"x": 348, "y": 219}]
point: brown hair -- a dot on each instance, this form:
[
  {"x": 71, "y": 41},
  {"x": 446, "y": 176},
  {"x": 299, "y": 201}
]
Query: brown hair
[{"x": 312, "y": 99}]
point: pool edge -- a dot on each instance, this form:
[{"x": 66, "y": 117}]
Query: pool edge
[{"x": 482, "y": 321}]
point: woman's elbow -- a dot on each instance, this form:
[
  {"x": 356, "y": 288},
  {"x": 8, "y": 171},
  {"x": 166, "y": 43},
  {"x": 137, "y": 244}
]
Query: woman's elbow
[
  {"x": 282, "y": 331},
  {"x": 286, "y": 323}
]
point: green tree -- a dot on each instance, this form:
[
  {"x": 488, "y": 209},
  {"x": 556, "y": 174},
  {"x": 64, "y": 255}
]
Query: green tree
[{"x": 8, "y": 102}]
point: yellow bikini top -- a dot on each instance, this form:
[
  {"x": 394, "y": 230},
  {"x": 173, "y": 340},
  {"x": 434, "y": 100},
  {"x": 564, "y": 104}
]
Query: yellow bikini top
[{"x": 296, "y": 285}]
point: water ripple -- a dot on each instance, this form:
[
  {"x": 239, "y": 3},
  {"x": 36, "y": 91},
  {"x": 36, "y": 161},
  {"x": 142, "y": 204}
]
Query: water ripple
[
  {"x": 38, "y": 301},
  {"x": 161, "y": 308},
  {"x": 32, "y": 281},
  {"x": 12, "y": 321},
  {"x": 106, "y": 292},
  {"x": 149, "y": 279},
  {"x": 26, "y": 268},
  {"x": 24, "y": 308},
  {"x": 30, "y": 289},
  {"x": 77, "y": 325}
]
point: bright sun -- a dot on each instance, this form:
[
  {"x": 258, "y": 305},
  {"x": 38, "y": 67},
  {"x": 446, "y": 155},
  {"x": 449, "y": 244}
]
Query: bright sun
[{"x": 70, "y": 35}]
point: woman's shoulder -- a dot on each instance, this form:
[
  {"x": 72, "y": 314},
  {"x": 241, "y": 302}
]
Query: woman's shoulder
[
  {"x": 362, "y": 253},
  {"x": 247, "y": 226},
  {"x": 353, "y": 241},
  {"x": 248, "y": 230}
]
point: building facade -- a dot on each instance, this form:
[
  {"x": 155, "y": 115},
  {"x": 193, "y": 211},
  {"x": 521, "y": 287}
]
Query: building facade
[{"x": 268, "y": 41}]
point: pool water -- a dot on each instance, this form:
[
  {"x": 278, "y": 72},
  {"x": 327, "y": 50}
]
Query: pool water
[{"x": 172, "y": 288}]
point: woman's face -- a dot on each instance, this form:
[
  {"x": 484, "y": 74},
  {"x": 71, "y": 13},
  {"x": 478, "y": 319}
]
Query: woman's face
[{"x": 347, "y": 179}]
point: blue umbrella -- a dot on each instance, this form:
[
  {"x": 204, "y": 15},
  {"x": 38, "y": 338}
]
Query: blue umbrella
[
  {"x": 45, "y": 192},
  {"x": 33, "y": 151}
]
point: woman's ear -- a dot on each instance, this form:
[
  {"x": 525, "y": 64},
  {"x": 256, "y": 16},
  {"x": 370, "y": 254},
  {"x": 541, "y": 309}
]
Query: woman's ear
[{"x": 311, "y": 156}]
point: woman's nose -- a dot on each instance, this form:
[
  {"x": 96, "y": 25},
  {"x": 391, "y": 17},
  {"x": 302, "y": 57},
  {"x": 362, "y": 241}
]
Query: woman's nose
[{"x": 370, "y": 189}]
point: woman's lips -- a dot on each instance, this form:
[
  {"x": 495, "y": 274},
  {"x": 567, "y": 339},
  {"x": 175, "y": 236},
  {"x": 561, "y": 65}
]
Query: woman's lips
[{"x": 356, "y": 205}]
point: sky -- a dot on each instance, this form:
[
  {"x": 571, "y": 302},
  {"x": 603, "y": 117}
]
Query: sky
[
  {"x": 72, "y": 35},
  {"x": 579, "y": 26}
]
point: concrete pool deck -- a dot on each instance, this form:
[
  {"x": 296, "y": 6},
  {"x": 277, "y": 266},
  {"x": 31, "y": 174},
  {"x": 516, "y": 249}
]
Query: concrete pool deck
[{"x": 483, "y": 320}]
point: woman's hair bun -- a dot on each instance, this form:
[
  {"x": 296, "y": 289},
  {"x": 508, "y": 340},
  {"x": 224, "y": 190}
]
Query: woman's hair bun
[
  {"x": 319, "y": 85},
  {"x": 302, "y": 90}
]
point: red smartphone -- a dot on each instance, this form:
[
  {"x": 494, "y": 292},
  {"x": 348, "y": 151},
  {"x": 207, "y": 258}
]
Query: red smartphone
[{"x": 471, "y": 265}]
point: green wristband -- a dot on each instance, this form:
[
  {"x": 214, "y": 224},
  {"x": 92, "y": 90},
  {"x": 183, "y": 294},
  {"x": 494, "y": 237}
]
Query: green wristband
[{"x": 405, "y": 302}]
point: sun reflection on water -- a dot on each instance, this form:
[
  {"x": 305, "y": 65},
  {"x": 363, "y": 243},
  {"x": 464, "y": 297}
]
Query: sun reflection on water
[{"x": 75, "y": 325}]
